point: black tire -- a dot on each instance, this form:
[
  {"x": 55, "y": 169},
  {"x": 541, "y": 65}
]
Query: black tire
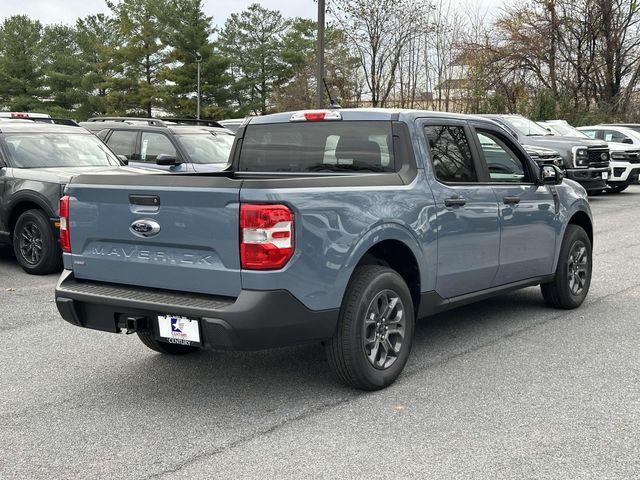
[
  {"x": 616, "y": 188},
  {"x": 559, "y": 293},
  {"x": 35, "y": 245},
  {"x": 147, "y": 337},
  {"x": 350, "y": 356}
]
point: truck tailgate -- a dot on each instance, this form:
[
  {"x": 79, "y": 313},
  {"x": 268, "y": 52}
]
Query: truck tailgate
[{"x": 113, "y": 223}]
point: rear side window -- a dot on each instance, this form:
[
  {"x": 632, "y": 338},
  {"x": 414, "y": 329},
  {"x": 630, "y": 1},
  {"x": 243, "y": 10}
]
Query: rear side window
[
  {"x": 451, "y": 154},
  {"x": 123, "y": 142},
  {"x": 318, "y": 147}
]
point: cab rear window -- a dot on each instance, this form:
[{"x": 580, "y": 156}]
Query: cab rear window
[{"x": 318, "y": 147}]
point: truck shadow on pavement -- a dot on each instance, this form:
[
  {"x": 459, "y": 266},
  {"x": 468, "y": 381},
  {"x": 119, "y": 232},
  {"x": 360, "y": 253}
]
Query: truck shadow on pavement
[{"x": 281, "y": 377}]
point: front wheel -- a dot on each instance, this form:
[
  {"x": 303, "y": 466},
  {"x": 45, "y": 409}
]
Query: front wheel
[
  {"x": 613, "y": 188},
  {"x": 573, "y": 275},
  {"x": 375, "y": 330},
  {"x": 35, "y": 244}
]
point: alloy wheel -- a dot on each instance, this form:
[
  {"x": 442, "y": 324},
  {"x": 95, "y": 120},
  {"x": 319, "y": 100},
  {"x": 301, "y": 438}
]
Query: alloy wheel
[
  {"x": 384, "y": 329},
  {"x": 578, "y": 268},
  {"x": 31, "y": 243}
]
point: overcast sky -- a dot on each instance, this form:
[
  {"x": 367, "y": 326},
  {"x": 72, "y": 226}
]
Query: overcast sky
[{"x": 66, "y": 11}]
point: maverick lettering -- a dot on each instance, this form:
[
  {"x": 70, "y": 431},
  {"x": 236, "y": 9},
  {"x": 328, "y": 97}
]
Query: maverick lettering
[{"x": 153, "y": 255}]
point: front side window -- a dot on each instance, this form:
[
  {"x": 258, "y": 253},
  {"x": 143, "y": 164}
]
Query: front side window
[
  {"x": 155, "y": 144},
  {"x": 504, "y": 165},
  {"x": 589, "y": 133},
  {"x": 451, "y": 154},
  {"x": 41, "y": 150},
  {"x": 332, "y": 146},
  {"x": 207, "y": 148},
  {"x": 615, "y": 136}
]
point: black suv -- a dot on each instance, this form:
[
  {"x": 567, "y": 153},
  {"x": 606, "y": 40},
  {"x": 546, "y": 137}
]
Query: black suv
[
  {"x": 173, "y": 145},
  {"x": 37, "y": 160}
]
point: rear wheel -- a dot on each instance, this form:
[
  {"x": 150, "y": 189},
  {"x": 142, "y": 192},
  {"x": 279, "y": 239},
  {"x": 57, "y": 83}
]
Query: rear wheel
[
  {"x": 616, "y": 188},
  {"x": 375, "y": 331},
  {"x": 149, "y": 339},
  {"x": 573, "y": 275},
  {"x": 35, "y": 245}
]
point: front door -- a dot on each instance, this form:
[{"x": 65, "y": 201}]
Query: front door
[
  {"x": 529, "y": 222},
  {"x": 467, "y": 212}
]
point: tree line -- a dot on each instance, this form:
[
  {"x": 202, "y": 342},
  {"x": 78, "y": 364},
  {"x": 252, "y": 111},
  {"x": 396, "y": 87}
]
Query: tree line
[{"x": 574, "y": 59}]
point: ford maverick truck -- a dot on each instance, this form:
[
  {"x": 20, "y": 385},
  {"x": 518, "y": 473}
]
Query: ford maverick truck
[{"x": 336, "y": 226}]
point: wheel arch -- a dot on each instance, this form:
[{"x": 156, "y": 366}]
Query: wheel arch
[
  {"x": 395, "y": 246},
  {"x": 582, "y": 219},
  {"x": 23, "y": 202}
]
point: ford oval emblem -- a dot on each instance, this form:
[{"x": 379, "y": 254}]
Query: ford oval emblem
[
  {"x": 604, "y": 156},
  {"x": 145, "y": 228}
]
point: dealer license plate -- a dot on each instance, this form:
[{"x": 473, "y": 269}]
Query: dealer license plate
[
  {"x": 605, "y": 175},
  {"x": 179, "y": 330}
]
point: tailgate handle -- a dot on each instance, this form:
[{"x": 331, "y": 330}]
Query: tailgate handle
[{"x": 145, "y": 200}]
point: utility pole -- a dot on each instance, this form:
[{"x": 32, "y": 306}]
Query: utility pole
[
  {"x": 320, "y": 55},
  {"x": 198, "y": 62}
]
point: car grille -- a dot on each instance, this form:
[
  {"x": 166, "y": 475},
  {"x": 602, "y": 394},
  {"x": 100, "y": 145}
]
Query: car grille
[
  {"x": 628, "y": 156},
  {"x": 549, "y": 159},
  {"x": 595, "y": 157}
]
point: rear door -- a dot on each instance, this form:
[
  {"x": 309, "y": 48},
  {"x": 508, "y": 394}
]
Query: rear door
[
  {"x": 123, "y": 142},
  {"x": 164, "y": 231},
  {"x": 468, "y": 227},
  {"x": 529, "y": 221}
]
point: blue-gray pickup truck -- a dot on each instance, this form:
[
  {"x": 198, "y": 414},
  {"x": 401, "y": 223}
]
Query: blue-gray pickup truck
[{"x": 337, "y": 226}]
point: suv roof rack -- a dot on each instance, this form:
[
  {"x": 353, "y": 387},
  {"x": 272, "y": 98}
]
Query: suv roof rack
[
  {"x": 201, "y": 122},
  {"x": 65, "y": 121},
  {"x": 154, "y": 122},
  {"x": 160, "y": 122}
]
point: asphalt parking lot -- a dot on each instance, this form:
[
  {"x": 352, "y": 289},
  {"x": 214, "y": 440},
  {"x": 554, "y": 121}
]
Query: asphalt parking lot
[{"x": 506, "y": 388}]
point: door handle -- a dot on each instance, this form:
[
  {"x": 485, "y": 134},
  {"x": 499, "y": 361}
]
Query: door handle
[
  {"x": 511, "y": 200},
  {"x": 455, "y": 202}
]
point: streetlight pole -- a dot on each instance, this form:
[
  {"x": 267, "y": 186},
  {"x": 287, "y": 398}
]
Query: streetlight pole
[
  {"x": 198, "y": 62},
  {"x": 320, "y": 55}
]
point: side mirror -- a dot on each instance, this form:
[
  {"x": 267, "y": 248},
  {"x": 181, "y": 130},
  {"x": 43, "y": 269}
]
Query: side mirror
[
  {"x": 167, "y": 160},
  {"x": 123, "y": 159},
  {"x": 627, "y": 140},
  {"x": 551, "y": 175}
]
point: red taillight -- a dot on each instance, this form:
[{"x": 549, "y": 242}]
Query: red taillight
[
  {"x": 266, "y": 236},
  {"x": 314, "y": 116},
  {"x": 65, "y": 237},
  {"x": 19, "y": 115}
]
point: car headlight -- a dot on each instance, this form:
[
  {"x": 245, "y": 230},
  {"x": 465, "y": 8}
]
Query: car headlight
[
  {"x": 580, "y": 157},
  {"x": 618, "y": 156}
]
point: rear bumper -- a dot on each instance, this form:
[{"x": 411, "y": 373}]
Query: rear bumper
[
  {"x": 589, "y": 178},
  {"x": 255, "y": 320}
]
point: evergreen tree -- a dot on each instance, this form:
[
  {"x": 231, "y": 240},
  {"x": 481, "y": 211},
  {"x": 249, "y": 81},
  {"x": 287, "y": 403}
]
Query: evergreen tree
[
  {"x": 142, "y": 57},
  {"x": 189, "y": 32},
  {"x": 253, "y": 41},
  {"x": 21, "y": 75}
]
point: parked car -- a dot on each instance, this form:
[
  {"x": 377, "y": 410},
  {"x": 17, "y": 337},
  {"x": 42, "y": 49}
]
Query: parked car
[
  {"x": 625, "y": 157},
  {"x": 341, "y": 226},
  {"x": 172, "y": 145},
  {"x": 585, "y": 161},
  {"x": 37, "y": 160}
]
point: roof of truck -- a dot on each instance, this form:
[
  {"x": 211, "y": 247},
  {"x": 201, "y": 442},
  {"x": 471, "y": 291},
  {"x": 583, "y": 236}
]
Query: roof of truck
[
  {"x": 367, "y": 114},
  {"x": 16, "y": 126}
]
